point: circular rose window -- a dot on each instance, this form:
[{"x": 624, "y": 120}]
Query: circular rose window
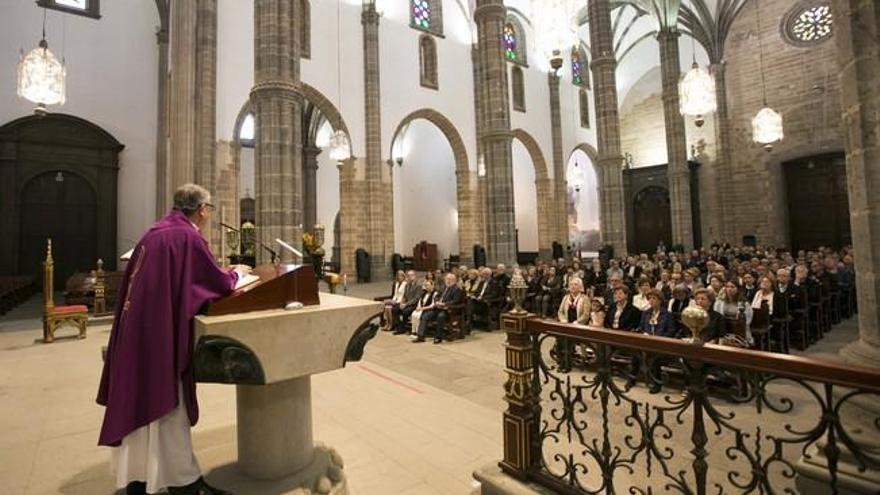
[{"x": 808, "y": 23}]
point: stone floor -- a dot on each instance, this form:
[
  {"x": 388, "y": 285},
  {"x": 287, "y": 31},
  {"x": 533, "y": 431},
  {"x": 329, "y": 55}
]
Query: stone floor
[{"x": 408, "y": 419}]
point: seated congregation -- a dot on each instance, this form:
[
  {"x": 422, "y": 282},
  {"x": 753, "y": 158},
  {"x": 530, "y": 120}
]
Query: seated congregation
[{"x": 756, "y": 297}]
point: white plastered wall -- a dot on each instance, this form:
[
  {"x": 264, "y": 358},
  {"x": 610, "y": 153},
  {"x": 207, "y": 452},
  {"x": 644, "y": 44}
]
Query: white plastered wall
[{"x": 112, "y": 81}]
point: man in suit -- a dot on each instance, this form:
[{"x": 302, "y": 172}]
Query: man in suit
[
  {"x": 451, "y": 299},
  {"x": 402, "y": 312}
]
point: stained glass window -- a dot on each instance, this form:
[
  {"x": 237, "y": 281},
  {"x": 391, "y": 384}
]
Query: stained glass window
[
  {"x": 509, "y": 42},
  {"x": 426, "y": 15},
  {"x": 579, "y": 73},
  {"x": 421, "y": 14},
  {"x": 809, "y": 23}
]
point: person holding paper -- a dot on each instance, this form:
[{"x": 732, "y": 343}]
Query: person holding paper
[{"x": 148, "y": 385}]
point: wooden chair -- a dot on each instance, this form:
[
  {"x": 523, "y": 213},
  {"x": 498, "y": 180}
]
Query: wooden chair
[
  {"x": 55, "y": 316},
  {"x": 780, "y": 334},
  {"x": 800, "y": 323},
  {"x": 760, "y": 328}
]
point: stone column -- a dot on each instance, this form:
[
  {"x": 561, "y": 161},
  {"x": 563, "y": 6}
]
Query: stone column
[
  {"x": 163, "y": 195},
  {"x": 379, "y": 222},
  {"x": 559, "y": 209},
  {"x": 857, "y": 29},
  {"x": 182, "y": 89},
  {"x": 610, "y": 160},
  {"x": 546, "y": 208},
  {"x": 494, "y": 131},
  {"x": 479, "y": 199},
  {"x": 723, "y": 172},
  {"x": 310, "y": 186},
  {"x": 676, "y": 140},
  {"x": 277, "y": 101},
  {"x": 205, "y": 147}
]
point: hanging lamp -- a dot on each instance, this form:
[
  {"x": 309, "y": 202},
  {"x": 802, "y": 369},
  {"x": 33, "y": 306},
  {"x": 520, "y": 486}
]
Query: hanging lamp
[
  {"x": 340, "y": 147},
  {"x": 41, "y": 77},
  {"x": 696, "y": 90},
  {"x": 554, "y": 29},
  {"x": 767, "y": 124}
]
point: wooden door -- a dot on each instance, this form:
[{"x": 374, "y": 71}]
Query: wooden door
[
  {"x": 652, "y": 220},
  {"x": 61, "y": 206},
  {"x": 818, "y": 206}
]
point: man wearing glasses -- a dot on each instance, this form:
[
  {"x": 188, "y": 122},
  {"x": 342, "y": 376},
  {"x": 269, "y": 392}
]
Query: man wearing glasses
[{"x": 148, "y": 385}]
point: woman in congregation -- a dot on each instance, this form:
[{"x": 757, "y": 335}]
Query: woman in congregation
[
  {"x": 575, "y": 306},
  {"x": 736, "y": 311},
  {"x": 714, "y": 329},
  {"x": 398, "y": 294},
  {"x": 640, "y": 300},
  {"x": 655, "y": 319},
  {"x": 763, "y": 298},
  {"x": 748, "y": 286},
  {"x": 426, "y": 303}
]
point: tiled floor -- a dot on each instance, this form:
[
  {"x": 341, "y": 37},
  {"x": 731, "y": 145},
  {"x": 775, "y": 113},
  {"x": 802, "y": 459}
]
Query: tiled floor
[{"x": 408, "y": 419}]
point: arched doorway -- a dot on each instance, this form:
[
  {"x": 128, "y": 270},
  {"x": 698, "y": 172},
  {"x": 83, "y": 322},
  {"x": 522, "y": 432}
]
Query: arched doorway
[
  {"x": 583, "y": 212},
  {"x": 61, "y": 206},
  {"x": 425, "y": 201},
  {"x": 461, "y": 213},
  {"x": 532, "y": 191},
  {"x": 58, "y": 179},
  {"x": 818, "y": 206},
  {"x": 652, "y": 219}
]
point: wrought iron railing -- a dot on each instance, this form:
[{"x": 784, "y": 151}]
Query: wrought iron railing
[{"x": 723, "y": 420}]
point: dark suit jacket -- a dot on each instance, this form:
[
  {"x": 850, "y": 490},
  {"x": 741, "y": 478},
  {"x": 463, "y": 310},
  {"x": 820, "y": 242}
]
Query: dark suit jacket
[
  {"x": 629, "y": 319},
  {"x": 452, "y": 297},
  {"x": 665, "y": 324},
  {"x": 411, "y": 294},
  {"x": 715, "y": 329}
]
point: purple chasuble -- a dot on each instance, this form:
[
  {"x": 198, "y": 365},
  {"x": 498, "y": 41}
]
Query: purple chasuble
[{"x": 169, "y": 278}]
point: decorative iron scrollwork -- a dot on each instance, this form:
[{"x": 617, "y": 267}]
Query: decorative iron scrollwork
[
  {"x": 364, "y": 333},
  {"x": 718, "y": 429},
  {"x": 224, "y": 360}
]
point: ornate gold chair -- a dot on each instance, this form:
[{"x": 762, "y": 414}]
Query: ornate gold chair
[{"x": 54, "y": 316}]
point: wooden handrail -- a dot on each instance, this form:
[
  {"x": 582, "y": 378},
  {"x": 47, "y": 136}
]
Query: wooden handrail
[{"x": 858, "y": 377}]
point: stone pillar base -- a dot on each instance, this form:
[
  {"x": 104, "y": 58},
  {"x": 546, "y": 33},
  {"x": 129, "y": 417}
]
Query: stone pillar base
[
  {"x": 813, "y": 477},
  {"x": 493, "y": 481}
]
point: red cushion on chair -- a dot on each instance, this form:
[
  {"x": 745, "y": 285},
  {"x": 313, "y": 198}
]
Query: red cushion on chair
[{"x": 73, "y": 308}]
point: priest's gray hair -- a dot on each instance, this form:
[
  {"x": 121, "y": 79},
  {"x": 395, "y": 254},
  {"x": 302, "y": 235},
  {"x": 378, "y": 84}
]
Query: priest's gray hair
[{"x": 189, "y": 197}]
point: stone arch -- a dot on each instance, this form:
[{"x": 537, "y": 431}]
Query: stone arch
[
  {"x": 315, "y": 97},
  {"x": 593, "y": 155},
  {"x": 466, "y": 193},
  {"x": 543, "y": 190}
]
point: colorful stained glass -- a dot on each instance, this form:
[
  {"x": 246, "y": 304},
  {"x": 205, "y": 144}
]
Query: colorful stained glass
[
  {"x": 509, "y": 42},
  {"x": 577, "y": 68},
  {"x": 421, "y": 14}
]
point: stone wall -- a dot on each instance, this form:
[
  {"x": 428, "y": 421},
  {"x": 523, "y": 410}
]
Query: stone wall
[{"x": 802, "y": 84}]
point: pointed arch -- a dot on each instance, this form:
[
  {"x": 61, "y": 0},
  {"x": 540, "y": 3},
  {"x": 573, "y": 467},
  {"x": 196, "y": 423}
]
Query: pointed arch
[
  {"x": 543, "y": 190},
  {"x": 513, "y": 40}
]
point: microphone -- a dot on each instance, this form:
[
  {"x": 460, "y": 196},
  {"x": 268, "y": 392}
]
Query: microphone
[
  {"x": 267, "y": 248},
  {"x": 289, "y": 248}
]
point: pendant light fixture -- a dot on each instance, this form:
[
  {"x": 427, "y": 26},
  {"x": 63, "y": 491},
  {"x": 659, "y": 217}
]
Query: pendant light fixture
[
  {"x": 340, "y": 147},
  {"x": 554, "y": 29},
  {"x": 767, "y": 124},
  {"x": 696, "y": 90},
  {"x": 41, "y": 77}
]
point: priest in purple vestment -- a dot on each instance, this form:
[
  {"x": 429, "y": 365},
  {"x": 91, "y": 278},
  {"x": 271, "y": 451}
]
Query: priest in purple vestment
[{"x": 148, "y": 385}]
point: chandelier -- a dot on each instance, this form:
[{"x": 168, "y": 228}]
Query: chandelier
[
  {"x": 554, "y": 29},
  {"x": 767, "y": 124},
  {"x": 576, "y": 177},
  {"x": 767, "y": 127},
  {"x": 696, "y": 92},
  {"x": 340, "y": 148},
  {"x": 41, "y": 77}
]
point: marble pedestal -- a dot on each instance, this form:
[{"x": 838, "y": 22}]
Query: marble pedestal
[{"x": 270, "y": 357}]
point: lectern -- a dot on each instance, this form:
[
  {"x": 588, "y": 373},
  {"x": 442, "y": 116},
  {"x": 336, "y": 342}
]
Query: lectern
[{"x": 248, "y": 339}]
